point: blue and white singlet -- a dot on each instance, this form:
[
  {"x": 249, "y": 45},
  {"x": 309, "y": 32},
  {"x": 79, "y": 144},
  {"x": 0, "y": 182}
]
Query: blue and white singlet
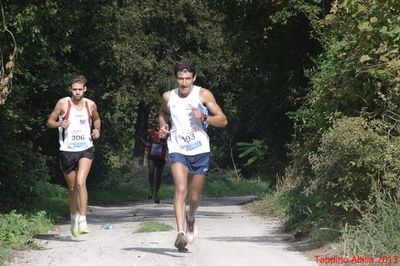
[{"x": 188, "y": 135}]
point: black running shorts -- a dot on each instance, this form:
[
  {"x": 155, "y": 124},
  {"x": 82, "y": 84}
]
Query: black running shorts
[{"x": 69, "y": 160}]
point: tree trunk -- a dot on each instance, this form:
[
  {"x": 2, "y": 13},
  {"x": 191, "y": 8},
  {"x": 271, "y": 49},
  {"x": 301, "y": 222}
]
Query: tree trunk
[{"x": 140, "y": 127}]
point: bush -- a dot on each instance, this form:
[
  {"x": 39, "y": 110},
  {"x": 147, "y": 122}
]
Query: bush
[
  {"x": 16, "y": 231},
  {"x": 21, "y": 169},
  {"x": 354, "y": 154},
  {"x": 53, "y": 199}
]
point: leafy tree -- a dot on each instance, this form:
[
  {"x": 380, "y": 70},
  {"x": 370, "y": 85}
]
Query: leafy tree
[
  {"x": 272, "y": 45},
  {"x": 356, "y": 76},
  {"x": 48, "y": 55},
  {"x": 22, "y": 128},
  {"x": 352, "y": 76}
]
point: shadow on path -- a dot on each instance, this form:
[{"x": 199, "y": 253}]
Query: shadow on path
[
  {"x": 172, "y": 252},
  {"x": 56, "y": 237}
]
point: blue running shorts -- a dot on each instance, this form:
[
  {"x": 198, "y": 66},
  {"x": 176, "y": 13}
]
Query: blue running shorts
[{"x": 196, "y": 164}]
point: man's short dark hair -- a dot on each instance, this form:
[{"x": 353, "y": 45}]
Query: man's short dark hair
[
  {"x": 185, "y": 66},
  {"x": 79, "y": 79}
]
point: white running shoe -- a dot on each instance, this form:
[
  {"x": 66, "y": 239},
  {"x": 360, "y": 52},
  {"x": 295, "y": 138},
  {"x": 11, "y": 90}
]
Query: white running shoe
[
  {"x": 83, "y": 228},
  {"x": 191, "y": 229},
  {"x": 75, "y": 224}
]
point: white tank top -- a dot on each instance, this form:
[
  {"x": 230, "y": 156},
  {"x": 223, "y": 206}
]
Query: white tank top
[
  {"x": 77, "y": 136},
  {"x": 187, "y": 135}
]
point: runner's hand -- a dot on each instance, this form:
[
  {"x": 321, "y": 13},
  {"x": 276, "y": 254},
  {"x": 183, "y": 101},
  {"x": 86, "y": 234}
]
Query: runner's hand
[
  {"x": 164, "y": 131},
  {"x": 64, "y": 123},
  {"x": 95, "y": 133},
  {"x": 197, "y": 113}
]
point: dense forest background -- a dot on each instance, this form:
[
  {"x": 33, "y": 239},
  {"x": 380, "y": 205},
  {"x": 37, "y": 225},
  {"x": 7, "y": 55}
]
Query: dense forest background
[{"x": 311, "y": 90}]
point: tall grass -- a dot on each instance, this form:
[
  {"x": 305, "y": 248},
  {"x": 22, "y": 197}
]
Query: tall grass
[
  {"x": 225, "y": 184},
  {"x": 378, "y": 232}
]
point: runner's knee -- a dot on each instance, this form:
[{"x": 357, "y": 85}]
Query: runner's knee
[
  {"x": 180, "y": 189},
  {"x": 195, "y": 197},
  {"x": 81, "y": 185},
  {"x": 71, "y": 188}
]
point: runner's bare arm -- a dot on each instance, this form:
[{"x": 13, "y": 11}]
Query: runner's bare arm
[
  {"x": 96, "y": 121},
  {"x": 218, "y": 118},
  {"x": 163, "y": 115},
  {"x": 53, "y": 120}
]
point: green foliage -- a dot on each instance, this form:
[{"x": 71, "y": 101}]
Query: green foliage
[
  {"x": 378, "y": 232},
  {"x": 16, "y": 231},
  {"x": 21, "y": 169},
  {"x": 352, "y": 155},
  {"x": 121, "y": 194},
  {"x": 336, "y": 159},
  {"x": 254, "y": 151},
  {"x": 323, "y": 235},
  {"x": 356, "y": 72},
  {"x": 273, "y": 54},
  {"x": 359, "y": 67},
  {"x": 119, "y": 186},
  {"x": 24, "y": 162},
  {"x": 274, "y": 204},
  {"x": 220, "y": 184},
  {"x": 357, "y": 161},
  {"x": 300, "y": 213},
  {"x": 296, "y": 209},
  {"x": 256, "y": 58},
  {"x": 53, "y": 199},
  {"x": 48, "y": 55}
]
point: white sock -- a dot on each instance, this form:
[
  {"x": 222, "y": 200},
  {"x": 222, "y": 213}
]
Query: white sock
[
  {"x": 74, "y": 221},
  {"x": 74, "y": 216},
  {"x": 82, "y": 218}
]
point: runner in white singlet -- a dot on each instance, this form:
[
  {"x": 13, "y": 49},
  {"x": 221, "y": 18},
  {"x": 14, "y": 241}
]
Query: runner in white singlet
[
  {"x": 188, "y": 134},
  {"x": 77, "y": 136},
  {"x": 188, "y": 144},
  {"x": 78, "y": 123}
]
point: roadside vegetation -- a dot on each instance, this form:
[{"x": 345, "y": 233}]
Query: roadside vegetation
[
  {"x": 342, "y": 184},
  {"x": 17, "y": 230}
]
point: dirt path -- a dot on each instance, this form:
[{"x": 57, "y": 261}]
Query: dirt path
[{"x": 228, "y": 235}]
